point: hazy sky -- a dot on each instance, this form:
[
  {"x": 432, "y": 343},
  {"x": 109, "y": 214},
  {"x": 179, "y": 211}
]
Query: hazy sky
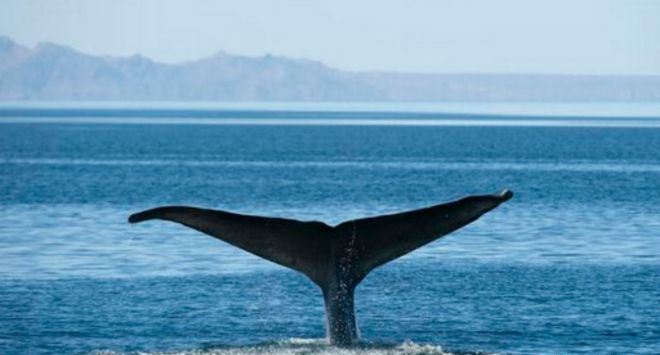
[{"x": 576, "y": 36}]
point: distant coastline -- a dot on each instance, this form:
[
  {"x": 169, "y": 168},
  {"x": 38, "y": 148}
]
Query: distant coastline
[
  {"x": 53, "y": 72},
  {"x": 333, "y": 109}
]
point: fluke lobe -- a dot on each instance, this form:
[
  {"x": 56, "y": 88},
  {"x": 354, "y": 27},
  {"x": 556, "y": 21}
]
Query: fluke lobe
[{"x": 335, "y": 258}]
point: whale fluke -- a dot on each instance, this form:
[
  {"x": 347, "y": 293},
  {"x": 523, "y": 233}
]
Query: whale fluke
[
  {"x": 335, "y": 258},
  {"x": 385, "y": 238},
  {"x": 294, "y": 244}
]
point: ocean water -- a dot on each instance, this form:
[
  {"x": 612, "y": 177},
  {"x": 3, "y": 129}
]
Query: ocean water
[{"x": 571, "y": 265}]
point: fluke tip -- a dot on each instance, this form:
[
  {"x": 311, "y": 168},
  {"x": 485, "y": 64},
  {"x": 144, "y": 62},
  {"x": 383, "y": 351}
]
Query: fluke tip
[{"x": 506, "y": 194}]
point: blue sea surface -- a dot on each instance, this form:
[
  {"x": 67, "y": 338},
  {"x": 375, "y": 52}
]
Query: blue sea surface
[{"x": 571, "y": 265}]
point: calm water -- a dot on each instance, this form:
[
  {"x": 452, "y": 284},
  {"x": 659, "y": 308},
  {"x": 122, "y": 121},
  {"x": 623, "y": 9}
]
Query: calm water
[{"x": 570, "y": 265}]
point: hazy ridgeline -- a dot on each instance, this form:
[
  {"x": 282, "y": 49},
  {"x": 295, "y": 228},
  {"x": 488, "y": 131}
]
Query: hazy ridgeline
[{"x": 53, "y": 72}]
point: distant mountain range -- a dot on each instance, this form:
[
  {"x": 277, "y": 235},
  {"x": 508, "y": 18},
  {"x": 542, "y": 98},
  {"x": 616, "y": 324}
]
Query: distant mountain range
[{"x": 54, "y": 72}]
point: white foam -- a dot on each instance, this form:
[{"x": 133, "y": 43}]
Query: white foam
[{"x": 298, "y": 346}]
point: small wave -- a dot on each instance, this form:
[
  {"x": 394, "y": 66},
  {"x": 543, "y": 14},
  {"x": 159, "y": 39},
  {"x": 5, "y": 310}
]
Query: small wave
[
  {"x": 577, "y": 166},
  {"x": 298, "y": 346}
]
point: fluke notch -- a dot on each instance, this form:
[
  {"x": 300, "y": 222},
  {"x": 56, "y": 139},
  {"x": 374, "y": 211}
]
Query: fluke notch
[{"x": 335, "y": 258}]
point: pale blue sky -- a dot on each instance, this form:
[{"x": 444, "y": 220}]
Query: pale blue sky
[{"x": 578, "y": 36}]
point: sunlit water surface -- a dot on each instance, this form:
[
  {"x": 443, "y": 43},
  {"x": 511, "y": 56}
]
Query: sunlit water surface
[{"x": 570, "y": 265}]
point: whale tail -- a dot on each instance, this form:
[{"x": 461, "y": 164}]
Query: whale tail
[
  {"x": 294, "y": 244},
  {"x": 335, "y": 258}
]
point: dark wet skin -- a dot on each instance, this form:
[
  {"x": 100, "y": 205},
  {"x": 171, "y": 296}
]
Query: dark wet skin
[{"x": 335, "y": 258}]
